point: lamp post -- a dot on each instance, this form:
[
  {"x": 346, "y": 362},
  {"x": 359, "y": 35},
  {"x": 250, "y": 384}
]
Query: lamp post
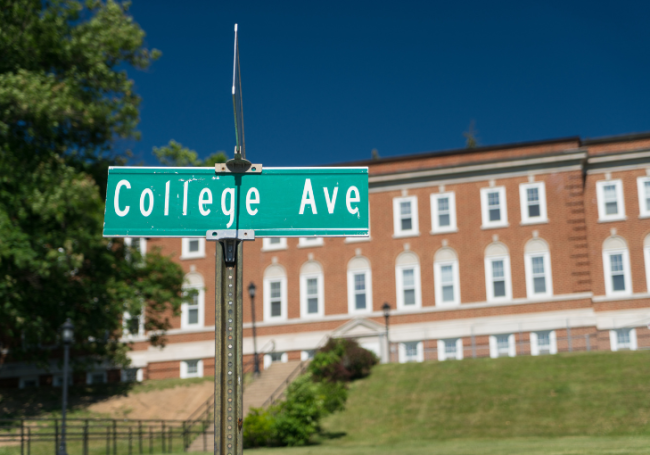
[
  {"x": 67, "y": 332},
  {"x": 386, "y": 309},
  {"x": 251, "y": 293}
]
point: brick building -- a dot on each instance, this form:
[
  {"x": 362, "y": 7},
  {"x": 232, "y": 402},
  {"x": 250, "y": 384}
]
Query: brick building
[{"x": 529, "y": 248}]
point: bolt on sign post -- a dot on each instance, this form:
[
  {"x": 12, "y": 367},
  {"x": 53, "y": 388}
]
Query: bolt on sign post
[{"x": 231, "y": 203}]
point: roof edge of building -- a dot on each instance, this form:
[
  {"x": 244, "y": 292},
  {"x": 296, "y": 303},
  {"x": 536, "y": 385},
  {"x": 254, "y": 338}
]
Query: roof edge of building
[{"x": 617, "y": 138}]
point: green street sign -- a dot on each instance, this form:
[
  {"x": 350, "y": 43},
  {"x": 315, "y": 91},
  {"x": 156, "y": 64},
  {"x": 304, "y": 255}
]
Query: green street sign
[{"x": 276, "y": 202}]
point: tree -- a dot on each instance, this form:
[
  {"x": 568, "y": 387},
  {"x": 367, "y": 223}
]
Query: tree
[
  {"x": 471, "y": 136},
  {"x": 174, "y": 154},
  {"x": 65, "y": 99}
]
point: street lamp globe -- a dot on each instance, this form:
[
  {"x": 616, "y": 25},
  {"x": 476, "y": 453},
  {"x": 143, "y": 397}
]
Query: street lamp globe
[
  {"x": 68, "y": 332},
  {"x": 251, "y": 290},
  {"x": 386, "y": 309}
]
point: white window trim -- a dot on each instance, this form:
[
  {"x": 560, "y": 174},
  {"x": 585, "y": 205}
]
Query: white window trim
[
  {"x": 185, "y": 310},
  {"x": 57, "y": 380},
  {"x": 488, "y": 279},
  {"x": 528, "y": 269},
  {"x": 22, "y": 380},
  {"x": 442, "y": 354},
  {"x": 402, "y": 352},
  {"x": 268, "y": 246},
  {"x": 512, "y": 347},
  {"x": 308, "y": 242},
  {"x": 307, "y": 354},
  {"x": 397, "y": 221},
  {"x": 185, "y": 247},
  {"x": 523, "y": 200},
  {"x": 435, "y": 227},
  {"x": 351, "y": 294},
  {"x": 400, "y": 286},
  {"x": 186, "y": 375},
  {"x": 608, "y": 272},
  {"x": 125, "y": 331},
  {"x": 437, "y": 279},
  {"x": 503, "y": 204},
  {"x": 303, "y": 296},
  {"x": 646, "y": 256},
  {"x": 267, "y": 299},
  {"x": 143, "y": 244},
  {"x": 620, "y": 201},
  {"x": 534, "y": 346},
  {"x": 139, "y": 374},
  {"x": 91, "y": 373},
  {"x": 268, "y": 362},
  {"x": 613, "y": 340},
  {"x": 643, "y": 213}
]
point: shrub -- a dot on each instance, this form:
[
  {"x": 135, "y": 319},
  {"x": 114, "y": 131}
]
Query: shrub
[
  {"x": 342, "y": 360},
  {"x": 257, "y": 428}
]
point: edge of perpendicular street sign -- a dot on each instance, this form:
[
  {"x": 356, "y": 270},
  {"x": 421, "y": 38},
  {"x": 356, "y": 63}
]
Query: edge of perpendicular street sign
[{"x": 228, "y": 168}]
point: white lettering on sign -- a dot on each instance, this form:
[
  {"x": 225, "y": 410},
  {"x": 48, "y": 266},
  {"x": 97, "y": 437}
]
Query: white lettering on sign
[
  {"x": 202, "y": 202},
  {"x": 307, "y": 198},
  {"x": 167, "y": 197},
  {"x": 185, "y": 185},
  {"x": 250, "y": 200},
  {"x": 146, "y": 192},
  {"x": 330, "y": 204},
  {"x": 228, "y": 211},
  {"x": 349, "y": 200},
  {"x": 116, "y": 202}
]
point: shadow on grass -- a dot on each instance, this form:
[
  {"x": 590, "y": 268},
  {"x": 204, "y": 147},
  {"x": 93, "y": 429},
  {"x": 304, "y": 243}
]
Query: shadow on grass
[{"x": 329, "y": 435}]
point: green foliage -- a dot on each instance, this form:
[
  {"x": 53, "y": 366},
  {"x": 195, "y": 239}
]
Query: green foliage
[
  {"x": 65, "y": 98},
  {"x": 342, "y": 360},
  {"x": 257, "y": 430},
  {"x": 174, "y": 154}
]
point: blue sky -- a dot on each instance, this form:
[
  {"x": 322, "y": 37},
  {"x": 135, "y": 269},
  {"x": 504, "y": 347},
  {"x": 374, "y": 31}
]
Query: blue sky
[{"x": 326, "y": 82}]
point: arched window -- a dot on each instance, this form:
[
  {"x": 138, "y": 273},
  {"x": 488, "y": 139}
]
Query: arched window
[
  {"x": 646, "y": 255},
  {"x": 312, "y": 300},
  {"x": 275, "y": 293},
  {"x": 497, "y": 273},
  {"x": 407, "y": 277},
  {"x": 446, "y": 277},
  {"x": 359, "y": 285},
  {"x": 193, "y": 309},
  {"x": 616, "y": 265},
  {"x": 537, "y": 263}
]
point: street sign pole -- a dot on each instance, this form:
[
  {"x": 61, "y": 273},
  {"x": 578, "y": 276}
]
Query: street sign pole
[{"x": 228, "y": 346}]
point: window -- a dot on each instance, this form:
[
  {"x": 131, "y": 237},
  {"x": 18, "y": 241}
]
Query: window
[
  {"x": 405, "y": 216},
  {"x": 493, "y": 207},
  {"x": 411, "y": 352},
  {"x": 28, "y": 382},
  {"x": 359, "y": 285},
  {"x": 133, "y": 325},
  {"x": 497, "y": 273},
  {"x": 306, "y": 242},
  {"x": 193, "y": 248},
  {"x": 450, "y": 349},
  {"x": 192, "y": 309},
  {"x": 537, "y": 264},
  {"x": 308, "y": 354},
  {"x": 274, "y": 243},
  {"x": 96, "y": 377},
  {"x": 191, "y": 369},
  {"x": 532, "y": 197},
  {"x": 643, "y": 186},
  {"x": 275, "y": 357},
  {"x": 407, "y": 277},
  {"x": 616, "y": 264},
  {"x": 311, "y": 290},
  {"x": 443, "y": 212},
  {"x": 275, "y": 293},
  {"x": 623, "y": 339},
  {"x": 543, "y": 343},
  {"x": 132, "y": 375},
  {"x": 446, "y": 278},
  {"x": 57, "y": 381},
  {"x": 610, "y": 200},
  {"x": 137, "y": 243},
  {"x": 502, "y": 346}
]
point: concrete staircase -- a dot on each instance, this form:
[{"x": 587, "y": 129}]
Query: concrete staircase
[{"x": 270, "y": 386}]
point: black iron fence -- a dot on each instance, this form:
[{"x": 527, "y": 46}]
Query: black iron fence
[{"x": 103, "y": 436}]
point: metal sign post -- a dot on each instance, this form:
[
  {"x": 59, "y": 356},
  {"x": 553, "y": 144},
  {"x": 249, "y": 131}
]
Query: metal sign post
[{"x": 229, "y": 204}]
